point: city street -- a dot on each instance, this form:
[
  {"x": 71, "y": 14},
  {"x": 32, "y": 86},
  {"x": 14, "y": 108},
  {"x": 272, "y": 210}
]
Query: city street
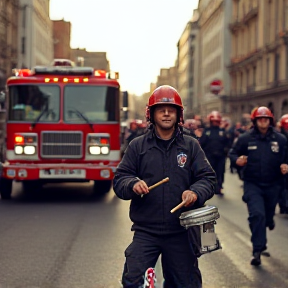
[{"x": 63, "y": 238}]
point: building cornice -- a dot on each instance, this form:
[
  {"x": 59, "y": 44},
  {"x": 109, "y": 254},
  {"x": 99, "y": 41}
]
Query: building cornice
[
  {"x": 239, "y": 24},
  {"x": 275, "y": 87},
  {"x": 241, "y": 61}
]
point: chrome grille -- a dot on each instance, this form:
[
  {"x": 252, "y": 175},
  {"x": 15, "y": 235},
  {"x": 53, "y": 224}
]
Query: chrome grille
[{"x": 60, "y": 144}]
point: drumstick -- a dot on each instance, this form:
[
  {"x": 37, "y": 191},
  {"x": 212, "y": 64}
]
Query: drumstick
[
  {"x": 178, "y": 206},
  {"x": 158, "y": 183}
]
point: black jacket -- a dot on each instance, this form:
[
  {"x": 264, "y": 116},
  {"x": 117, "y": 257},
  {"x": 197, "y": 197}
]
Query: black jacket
[
  {"x": 214, "y": 141},
  {"x": 185, "y": 164},
  {"x": 265, "y": 155}
]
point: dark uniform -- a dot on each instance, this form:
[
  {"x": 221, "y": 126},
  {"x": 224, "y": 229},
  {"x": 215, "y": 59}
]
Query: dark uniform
[
  {"x": 157, "y": 231},
  {"x": 283, "y": 198},
  {"x": 263, "y": 180},
  {"x": 214, "y": 142}
]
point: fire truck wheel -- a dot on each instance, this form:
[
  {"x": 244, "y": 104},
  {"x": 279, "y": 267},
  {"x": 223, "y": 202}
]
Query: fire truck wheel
[
  {"x": 5, "y": 188},
  {"x": 101, "y": 186},
  {"x": 31, "y": 186}
]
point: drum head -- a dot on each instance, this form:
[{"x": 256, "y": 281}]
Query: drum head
[{"x": 199, "y": 216}]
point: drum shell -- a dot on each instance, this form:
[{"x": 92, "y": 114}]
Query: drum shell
[{"x": 200, "y": 224}]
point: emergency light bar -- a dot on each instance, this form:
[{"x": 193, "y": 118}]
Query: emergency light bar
[{"x": 63, "y": 70}]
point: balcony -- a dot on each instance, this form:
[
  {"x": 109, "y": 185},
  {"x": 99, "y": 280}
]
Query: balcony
[
  {"x": 243, "y": 60},
  {"x": 253, "y": 12},
  {"x": 236, "y": 25}
]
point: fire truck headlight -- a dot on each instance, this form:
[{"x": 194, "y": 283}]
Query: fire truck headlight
[
  {"x": 29, "y": 150},
  {"x": 94, "y": 150},
  {"x": 105, "y": 150},
  {"x": 18, "y": 150}
]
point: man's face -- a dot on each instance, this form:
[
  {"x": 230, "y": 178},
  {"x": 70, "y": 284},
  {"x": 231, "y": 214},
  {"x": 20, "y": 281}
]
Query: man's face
[
  {"x": 215, "y": 123},
  {"x": 263, "y": 122},
  {"x": 190, "y": 124},
  {"x": 165, "y": 116}
]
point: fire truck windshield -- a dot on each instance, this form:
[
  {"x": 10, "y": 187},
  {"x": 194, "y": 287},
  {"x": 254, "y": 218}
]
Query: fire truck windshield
[
  {"x": 30, "y": 103},
  {"x": 95, "y": 103}
]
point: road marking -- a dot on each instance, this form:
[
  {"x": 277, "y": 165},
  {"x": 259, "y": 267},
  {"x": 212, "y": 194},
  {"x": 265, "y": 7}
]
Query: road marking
[{"x": 243, "y": 239}]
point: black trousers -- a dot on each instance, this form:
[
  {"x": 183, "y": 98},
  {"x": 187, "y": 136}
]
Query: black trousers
[
  {"x": 261, "y": 202},
  {"x": 218, "y": 165},
  {"x": 179, "y": 263}
]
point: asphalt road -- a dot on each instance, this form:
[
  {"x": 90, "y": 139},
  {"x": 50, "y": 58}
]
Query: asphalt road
[{"x": 62, "y": 237}]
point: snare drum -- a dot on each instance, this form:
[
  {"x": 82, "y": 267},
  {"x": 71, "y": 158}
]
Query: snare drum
[{"x": 201, "y": 221}]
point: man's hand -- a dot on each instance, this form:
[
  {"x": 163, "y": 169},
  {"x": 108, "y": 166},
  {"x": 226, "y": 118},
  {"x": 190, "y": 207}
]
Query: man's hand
[
  {"x": 242, "y": 160},
  {"x": 284, "y": 168},
  {"x": 189, "y": 197},
  {"x": 140, "y": 188}
]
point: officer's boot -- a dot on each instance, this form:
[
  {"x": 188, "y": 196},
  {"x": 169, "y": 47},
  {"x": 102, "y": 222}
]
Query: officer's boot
[{"x": 256, "y": 259}]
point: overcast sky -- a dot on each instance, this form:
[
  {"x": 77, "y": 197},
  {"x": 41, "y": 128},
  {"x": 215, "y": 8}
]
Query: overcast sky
[{"x": 140, "y": 37}]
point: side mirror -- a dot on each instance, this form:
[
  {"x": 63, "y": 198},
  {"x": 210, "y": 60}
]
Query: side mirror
[
  {"x": 125, "y": 100},
  {"x": 125, "y": 106},
  {"x": 2, "y": 97}
]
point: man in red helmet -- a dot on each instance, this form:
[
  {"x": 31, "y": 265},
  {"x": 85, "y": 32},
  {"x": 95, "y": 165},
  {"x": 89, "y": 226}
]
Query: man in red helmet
[
  {"x": 283, "y": 199},
  {"x": 164, "y": 151},
  {"x": 214, "y": 141},
  {"x": 261, "y": 151}
]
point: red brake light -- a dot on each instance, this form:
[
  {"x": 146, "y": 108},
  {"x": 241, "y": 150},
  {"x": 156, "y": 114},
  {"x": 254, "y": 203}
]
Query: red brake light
[{"x": 104, "y": 141}]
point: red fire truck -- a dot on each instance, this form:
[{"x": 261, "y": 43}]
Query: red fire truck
[{"x": 63, "y": 124}]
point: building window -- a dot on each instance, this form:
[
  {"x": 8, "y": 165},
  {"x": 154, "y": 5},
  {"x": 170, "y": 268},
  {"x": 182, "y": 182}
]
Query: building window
[
  {"x": 276, "y": 72},
  {"x": 23, "y": 42},
  {"x": 285, "y": 14},
  {"x": 254, "y": 76},
  {"x": 267, "y": 70},
  {"x": 260, "y": 71},
  {"x": 270, "y": 21}
]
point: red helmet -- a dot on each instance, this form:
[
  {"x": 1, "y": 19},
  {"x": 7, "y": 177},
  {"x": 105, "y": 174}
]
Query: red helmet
[
  {"x": 261, "y": 112},
  {"x": 214, "y": 116},
  {"x": 284, "y": 122},
  {"x": 167, "y": 95}
]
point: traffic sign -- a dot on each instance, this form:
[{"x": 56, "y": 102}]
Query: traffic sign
[{"x": 216, "y": 86}]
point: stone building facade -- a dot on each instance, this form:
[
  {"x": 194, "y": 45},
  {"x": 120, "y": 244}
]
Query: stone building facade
[
  {"x": 8, "y": 38},
  {"x": 214, "y": 40},
  {"x": 187, "y": 59},
  {"x": 35, "y": 34},
  {"x": 259, "y": 62},
  {"x": 97, "y": 60},
  {"x": 61, "y": 39},
  {"x": 168, "y": 76}
]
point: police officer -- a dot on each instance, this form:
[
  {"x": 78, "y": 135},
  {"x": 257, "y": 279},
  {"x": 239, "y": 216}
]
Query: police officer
[
  {"x": 191, "y": 126},
  {"x": 164, "y": 151},
  {"x": 214, "y": 142},
  {"x": 283, "y": 199},
  {"x": 262, "y": 152}
]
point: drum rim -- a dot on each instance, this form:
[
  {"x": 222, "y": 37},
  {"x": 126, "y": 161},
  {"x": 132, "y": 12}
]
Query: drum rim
[{"x": 199, "y": 212}]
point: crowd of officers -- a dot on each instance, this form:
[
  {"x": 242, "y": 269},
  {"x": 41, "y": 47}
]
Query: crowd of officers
[
  {"x": 256, "y": 149},
  {"x": 216, "y": 135}
]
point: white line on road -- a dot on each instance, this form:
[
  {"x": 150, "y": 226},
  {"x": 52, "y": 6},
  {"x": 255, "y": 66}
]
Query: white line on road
[{"x": 243, "y": 239}]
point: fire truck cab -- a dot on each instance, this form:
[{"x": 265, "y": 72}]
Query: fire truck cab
[{"x": 63, "y": 124}]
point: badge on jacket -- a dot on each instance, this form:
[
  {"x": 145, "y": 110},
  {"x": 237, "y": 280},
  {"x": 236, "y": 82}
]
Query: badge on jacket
[
  {"x": 275, "y": 147},
  {"x": 181, "y": 159}
]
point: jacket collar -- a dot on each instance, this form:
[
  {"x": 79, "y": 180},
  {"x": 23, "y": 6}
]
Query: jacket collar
[
  {"x": 178, "y": 137},
  {"x": 268, "y": 135}
]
